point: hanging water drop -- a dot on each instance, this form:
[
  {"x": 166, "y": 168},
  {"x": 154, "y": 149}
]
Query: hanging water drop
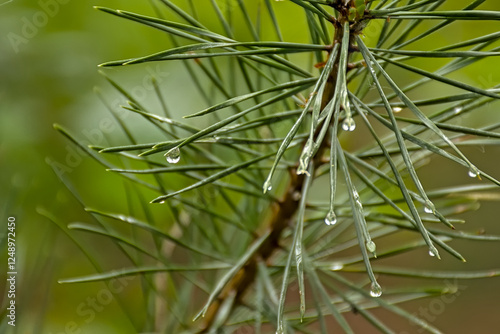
[
  {"x": 397, "y": 109},
  {"x": 434, "y": 252},
  {"x": 473, "y": 173},
  {"x": 370, "y": 246},
  {"x": 267, "y": 186},
  {"x": 337, "y": 266},
  {"x": 174, "y": 155},
  {"x": 348, "y": 124},
  {"x": 457, "y": 110},
  {"x": 429, "y": 207},
  {"x": 162, "y": 202},
  {"x": 331, "y": 218},
  {"x": 376, "y": 290}
]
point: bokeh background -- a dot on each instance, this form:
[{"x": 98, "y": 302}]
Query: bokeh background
[{"x": 49, "y": 52}]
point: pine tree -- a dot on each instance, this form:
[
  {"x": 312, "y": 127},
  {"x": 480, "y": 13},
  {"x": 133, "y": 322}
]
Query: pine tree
[{"x": 302, "y": 163}]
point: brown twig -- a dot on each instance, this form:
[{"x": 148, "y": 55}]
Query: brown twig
[{"x": 283, "y": 213}]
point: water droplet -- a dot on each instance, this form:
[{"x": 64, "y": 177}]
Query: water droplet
[
  {"x": 370, "y": 246},
  {"x": 174, "y": 155},
  {"x": 348, "y": 124},
  {"x": 331, "y": 218},
  {"x": 267, "y": 186},
  {"x": 162, "y": 202},
  {"x": 376, "y": 290},
  {"x": 337, "y": 266},
  {"x": 457, "y": 110},
  {"x": 372, "y": 67},
  {"x": 397, "y": 109},
  {"x": 473, "y": 172},
  {"x": 434, "y": 252},
  {"x": 429, "y": 207}
]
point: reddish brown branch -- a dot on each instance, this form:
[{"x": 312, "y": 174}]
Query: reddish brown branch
[{"x": 283, "y": 213}]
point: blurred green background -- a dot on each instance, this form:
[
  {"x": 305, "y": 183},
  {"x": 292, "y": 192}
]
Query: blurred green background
[{"x": 49, "y": 52}]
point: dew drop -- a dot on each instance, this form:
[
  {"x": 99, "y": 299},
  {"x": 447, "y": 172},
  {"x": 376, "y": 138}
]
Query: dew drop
[
  {"x": 348, "y": 124},
  {"x": 337, "y": 266},
  {"x": 370, "y": 246},
  {"x": 174, "y": 155},
  {"x": 330, "y": 218},
  {"x": 376, "y": 290},
  {"x": 397, "y": 109},
  {"x": 434, "y": 252},
  {"x": 267, "y": 186},
  {"x": 457, "y": 110},
  {"x": 372, "y": 67},
  {"x": 162, "y": 202},
  {"x": 429, "y": 207},
  {"x": 473, "y": 173},
  {"x": 356, "y": 198}
]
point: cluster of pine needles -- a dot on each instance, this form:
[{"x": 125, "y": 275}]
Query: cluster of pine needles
[{"x": 278, "y": 196}]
